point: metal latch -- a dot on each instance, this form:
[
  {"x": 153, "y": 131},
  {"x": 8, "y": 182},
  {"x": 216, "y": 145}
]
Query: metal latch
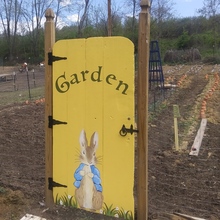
[{"x": 124, "y": 130}]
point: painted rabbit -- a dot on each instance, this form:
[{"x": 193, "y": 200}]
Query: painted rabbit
[{"x": 87, "y": 177}]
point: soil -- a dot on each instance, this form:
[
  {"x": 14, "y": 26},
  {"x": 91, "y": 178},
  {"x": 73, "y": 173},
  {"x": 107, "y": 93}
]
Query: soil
[{"x": 178, "y": 182}]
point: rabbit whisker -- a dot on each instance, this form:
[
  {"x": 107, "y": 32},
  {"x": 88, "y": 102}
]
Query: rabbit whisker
[{"x": 99, "y": 158}]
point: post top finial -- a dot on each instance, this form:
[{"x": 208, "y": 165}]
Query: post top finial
[
  {"x": 49, "y": 14},
  {"x": 144, "y": 3}
]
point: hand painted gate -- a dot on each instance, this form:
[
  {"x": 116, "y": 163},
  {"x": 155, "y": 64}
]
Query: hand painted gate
[{"x": 93, "y": 105}]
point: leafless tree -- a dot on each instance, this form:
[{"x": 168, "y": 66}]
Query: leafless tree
[
  {"x": 99, "y": 16},
  {"x": 33, "y": 15},
  {"x": 82, "y": 15},
  {"x": 161, "y": 10},
  {"x": 62, "y": 8},
  {"x": 134, "y": 5},
  {"x": 9, "y": 14},
  {"x": 58, "y": 10},
  {"x": 210, "y": 8},
  {"x": 109, "y": 18}
]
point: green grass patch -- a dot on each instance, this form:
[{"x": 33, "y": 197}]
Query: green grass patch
[
  {"x": 66, "y": 200},
  {"x": 20, "y": 96}
]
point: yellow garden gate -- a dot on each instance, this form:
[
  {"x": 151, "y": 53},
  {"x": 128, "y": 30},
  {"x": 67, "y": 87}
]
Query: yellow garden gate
[{"x": 93, "y": 124}]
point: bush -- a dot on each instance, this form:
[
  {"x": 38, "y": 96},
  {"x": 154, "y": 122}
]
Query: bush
[
  {"x": 182, "y": 56},
  {"x": 211, "y": 60},
  {"x": 183, "y": 41}
]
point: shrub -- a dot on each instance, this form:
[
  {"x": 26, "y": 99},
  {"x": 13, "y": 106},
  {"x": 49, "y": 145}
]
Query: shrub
[
  {"x": 182, "y": 56},
  {"x": 211, "y": 60}
]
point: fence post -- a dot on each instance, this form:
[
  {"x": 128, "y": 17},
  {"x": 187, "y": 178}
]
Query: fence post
[
  {"x": 48, "y": 45},
  {"x": 142, "y": 111}
]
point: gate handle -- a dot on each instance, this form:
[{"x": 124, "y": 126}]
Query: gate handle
[{"x": 123, "y": 132}]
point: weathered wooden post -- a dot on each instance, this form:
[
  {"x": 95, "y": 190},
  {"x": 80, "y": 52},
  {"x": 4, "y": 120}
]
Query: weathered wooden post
[
  {"x": 49, "y": 42},
  {"x": 142, "y": 110}
]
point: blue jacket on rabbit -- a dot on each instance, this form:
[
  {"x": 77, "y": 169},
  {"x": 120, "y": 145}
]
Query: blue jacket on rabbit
[{"x": 96, "y": 177}]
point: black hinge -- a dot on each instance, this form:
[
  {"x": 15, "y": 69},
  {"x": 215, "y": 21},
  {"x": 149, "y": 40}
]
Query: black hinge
[
  {"x": 52, "y": 184},
  {"x": 52, "y": 122},
  {"x": 52, "y": 58}
]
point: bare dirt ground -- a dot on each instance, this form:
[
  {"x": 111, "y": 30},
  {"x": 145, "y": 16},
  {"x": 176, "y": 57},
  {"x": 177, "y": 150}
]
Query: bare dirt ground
[{"x": 177, "y": 182}]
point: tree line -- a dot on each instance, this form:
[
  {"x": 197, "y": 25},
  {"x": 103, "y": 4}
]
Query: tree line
[{"x": 22, "y": 25}]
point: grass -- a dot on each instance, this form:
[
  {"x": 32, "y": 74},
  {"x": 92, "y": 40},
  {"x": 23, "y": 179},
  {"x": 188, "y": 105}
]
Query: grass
[
  {"x": 20, "y": 96},
  {"x": 107, "y": 210},
  {"x": 155, "y": 109},
  {"x": 66, "y": 200}
]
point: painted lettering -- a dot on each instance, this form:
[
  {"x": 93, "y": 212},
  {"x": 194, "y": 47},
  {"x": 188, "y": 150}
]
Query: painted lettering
[
  {"x": 74, "y": 79},
  {"x": 61, "y": 84},
  {"x": 83, "y": 74},
  {"x": 110, "y": 76},
  {"x": 95, "y": 76},
  {"x": 125, "y": 86}
]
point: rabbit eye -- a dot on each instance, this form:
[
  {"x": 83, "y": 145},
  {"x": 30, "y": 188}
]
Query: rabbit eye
[
  {"x": 84, "y": 152},
  {"x": 93, "y": 154}
]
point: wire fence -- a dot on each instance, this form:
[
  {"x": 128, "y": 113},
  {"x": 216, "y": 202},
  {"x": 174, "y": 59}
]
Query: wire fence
[
  {"x": 179, "y": 182},
  {"x": 18, "y": 86}
]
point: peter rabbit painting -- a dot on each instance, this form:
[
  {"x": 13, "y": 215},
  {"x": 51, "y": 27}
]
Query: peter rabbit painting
[
  {"x": 88, "y": 182},
  {"x": 93, "y": 113}
]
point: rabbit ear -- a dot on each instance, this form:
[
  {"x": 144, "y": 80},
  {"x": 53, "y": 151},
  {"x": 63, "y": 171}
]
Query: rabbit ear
[
  {"x": 94, "y": 140},
  {"x": 82, "y": 139}
]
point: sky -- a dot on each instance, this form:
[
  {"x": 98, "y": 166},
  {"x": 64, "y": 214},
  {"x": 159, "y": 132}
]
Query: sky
[
  {"x": 187, "y": 8},
  {"x": 182, "y": 8}
]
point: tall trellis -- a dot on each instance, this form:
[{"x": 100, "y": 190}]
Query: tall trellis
[{"x": 156, "y": 77}]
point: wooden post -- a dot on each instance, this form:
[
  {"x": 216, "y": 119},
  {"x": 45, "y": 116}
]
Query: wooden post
[
  {"x": 176, "y": 115},
  {"x": 176, "y": 134},
  {"x": 109, "y": 18},
  {"x": 49, "y": 42},
  {"x": 142, "y": 111}
]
